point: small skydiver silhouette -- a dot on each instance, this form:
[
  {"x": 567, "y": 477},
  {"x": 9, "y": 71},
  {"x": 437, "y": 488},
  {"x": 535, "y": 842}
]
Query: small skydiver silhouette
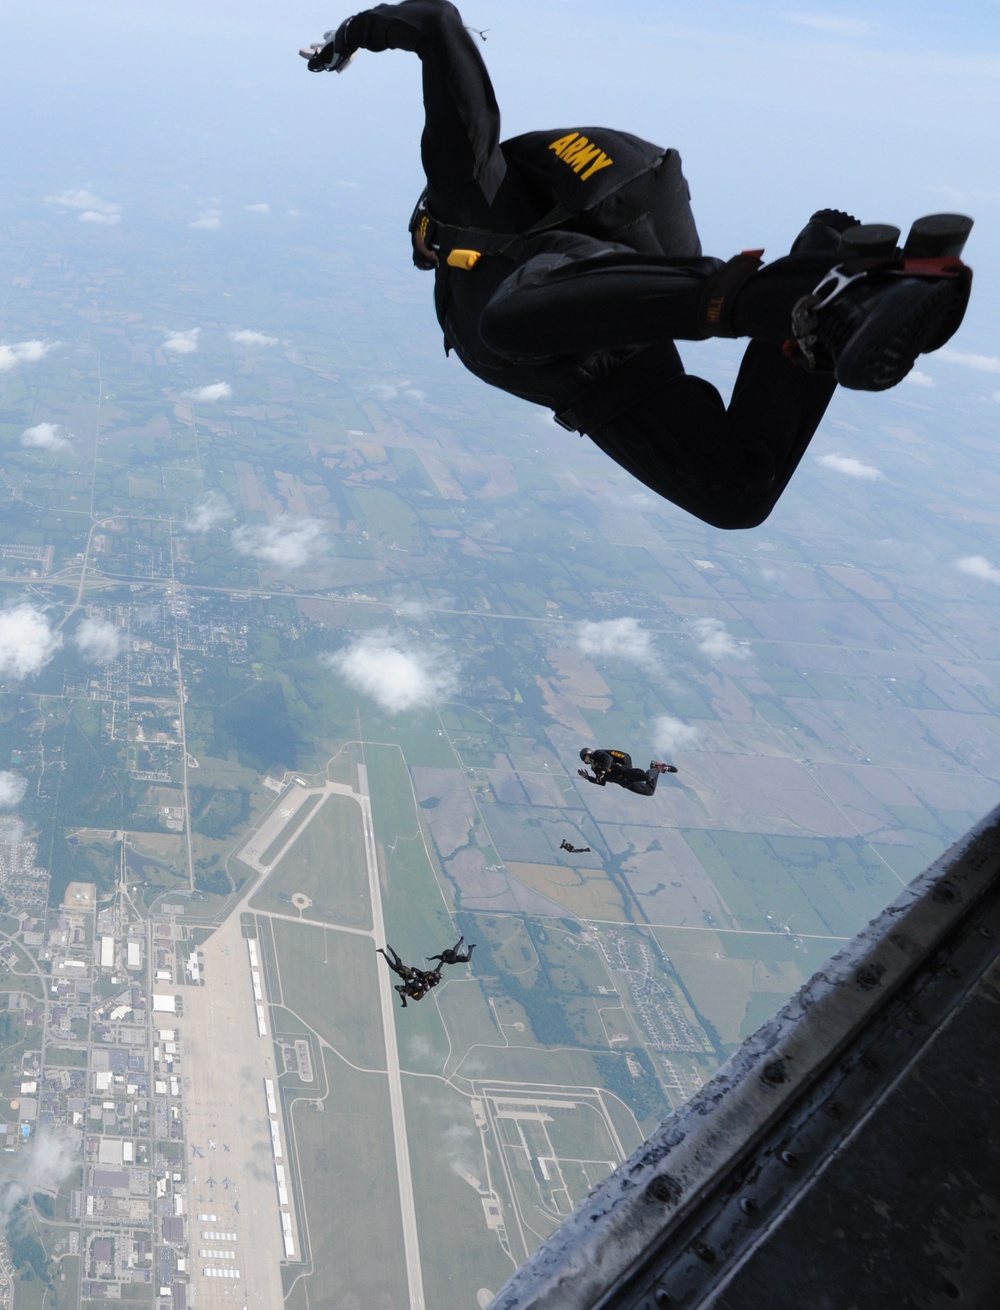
[
  {"x": 416, "y": 982},
  {"x": 453, "y": 955},
  {"x": 616, "y": 766},
  {"x": 419, "y": 985},
  {"x": 564, "y": 845}
]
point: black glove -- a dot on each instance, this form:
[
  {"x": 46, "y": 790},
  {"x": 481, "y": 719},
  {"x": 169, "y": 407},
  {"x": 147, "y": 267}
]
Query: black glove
[{"x": 333, "y": 53}]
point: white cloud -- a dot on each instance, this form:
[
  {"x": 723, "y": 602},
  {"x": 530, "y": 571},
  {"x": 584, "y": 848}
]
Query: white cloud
[
  {"x": 50, "y": 1157},
  {"x": 620, "y": 639},
  {"x": 103, "y": 220},
  {"x": 981, "y": 363},
  {"x": 245, "y": 337},
  {"x": 400, "y": 390},
  {"x": 850, "y": 467},
  {"x": 12, "y": 789},
  {"x": 716, "y": 642},
  {"x": 182, "y": 343},
  {"x": 978, "y": 566},
  {"x": 95, "y": 210},
  {"x": 208, "y": 221},
  {"x": 258, "y": 208},
  {"x": 22, "y": 352},
  {"x": 396, "y": 679},
  {"x": 209, "y": 512},
  {"x": 286, "y": 543},
  {"x": 98, "y": 640},
  {"x": 27, "y": 642},
  {"x": 917, "y": 379},
  {"x": 45, "y": 436},
  {"x": 213, "y": 392},
  {"x": 832, "y": 24},
  {"x": 671, "y": 735}
]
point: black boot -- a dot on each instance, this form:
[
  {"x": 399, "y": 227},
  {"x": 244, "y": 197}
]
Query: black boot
[
  {"x": 823, "y": 231},
  {"x": 869, "y": 325}
]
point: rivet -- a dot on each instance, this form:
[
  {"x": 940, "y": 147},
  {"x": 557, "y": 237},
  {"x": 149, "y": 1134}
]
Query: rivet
[
  {"x": 775, "y": 1074},
  {"x": 748, "y": 1205},
  {"x": 704, "y": 1252},
  {"x": 985, "y": 932},
  {"x": 790, "y": 1159},
  {"x": 662, "y": 1298}
]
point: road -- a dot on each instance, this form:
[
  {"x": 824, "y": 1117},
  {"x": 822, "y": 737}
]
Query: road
[{"x": 411, "y": 1245}]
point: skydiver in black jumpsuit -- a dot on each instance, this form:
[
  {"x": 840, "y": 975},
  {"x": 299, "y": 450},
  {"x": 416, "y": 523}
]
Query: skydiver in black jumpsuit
[
  {"x": 454, "y": 954},
  {"x": 616, "y": 767},
  {"x": 416, "y": 982},
  {"x": 591, "y": 267}
]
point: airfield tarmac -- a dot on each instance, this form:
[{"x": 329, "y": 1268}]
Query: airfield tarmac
[{"x": 224, "y": 1062}]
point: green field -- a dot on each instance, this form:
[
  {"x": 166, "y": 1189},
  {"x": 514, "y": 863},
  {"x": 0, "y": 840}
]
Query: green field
[
  {"x": 458, "y": 1253},
  {"x": 351, "y": 1192},
  {"x": 326, "y": 863},
  {"x": 65, "y": 1058},
  {"x": 328, "y": 980},
  {"x": 417, "y": 921}
]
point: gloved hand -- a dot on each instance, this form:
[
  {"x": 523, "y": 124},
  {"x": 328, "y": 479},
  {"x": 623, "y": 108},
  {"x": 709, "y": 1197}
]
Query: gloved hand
[{"x": 333, "y": 53}]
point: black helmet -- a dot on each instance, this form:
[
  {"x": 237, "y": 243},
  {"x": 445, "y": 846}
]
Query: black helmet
[{"x": 586, "y": 753}]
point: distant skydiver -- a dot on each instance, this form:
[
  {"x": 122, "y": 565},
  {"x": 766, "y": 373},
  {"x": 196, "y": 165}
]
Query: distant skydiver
[
  {"x": 405, "y": 971},
  {"x": 419, "y": 985},
  {"x": 416, "y": 982},
  {"x": 574, "y": 850},
  {"x": 454, "y": 954},
  {"x": 616, "y": 766},
  {"x": 567, "y": 262}
]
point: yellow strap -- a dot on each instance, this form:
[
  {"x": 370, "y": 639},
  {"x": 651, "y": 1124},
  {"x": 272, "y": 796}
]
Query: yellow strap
[{"x": 464, "y": 258}]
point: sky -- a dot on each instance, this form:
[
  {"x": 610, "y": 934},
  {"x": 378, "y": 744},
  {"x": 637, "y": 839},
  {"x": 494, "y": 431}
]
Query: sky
[
  {"x": 197, "y": 118},
  {"x": 188, "y": 111}
]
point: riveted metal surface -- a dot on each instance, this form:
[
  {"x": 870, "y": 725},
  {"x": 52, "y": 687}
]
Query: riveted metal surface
[{"x": 844, "y": 1046}]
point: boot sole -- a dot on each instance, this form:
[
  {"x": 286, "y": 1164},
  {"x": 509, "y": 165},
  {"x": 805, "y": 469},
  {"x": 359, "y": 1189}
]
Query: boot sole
[{"x": 919, "y": 316}]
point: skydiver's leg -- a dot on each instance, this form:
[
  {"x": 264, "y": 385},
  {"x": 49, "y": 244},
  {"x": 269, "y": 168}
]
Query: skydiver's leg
[
  {"x": 460, "y": 143},
  {"x": 603, "y": 298},
  {"x": 401, "y": 988},
  {"x": 728, "y": 467},
  {"x": 642, "y": 781},
  {"x": 395, "y": 964}
]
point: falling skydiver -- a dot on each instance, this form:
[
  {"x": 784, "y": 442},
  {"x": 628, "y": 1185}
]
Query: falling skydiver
[
  {"x": 455, "y": 954},
  {"x": 567, "y": 263},
  {"x": 416, "y": 982},
  {"x": 616, "y": 766}
]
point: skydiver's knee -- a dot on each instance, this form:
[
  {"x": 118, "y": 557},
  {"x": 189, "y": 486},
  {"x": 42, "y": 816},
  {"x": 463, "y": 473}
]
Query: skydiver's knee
[{"x": 737, "y": 515}]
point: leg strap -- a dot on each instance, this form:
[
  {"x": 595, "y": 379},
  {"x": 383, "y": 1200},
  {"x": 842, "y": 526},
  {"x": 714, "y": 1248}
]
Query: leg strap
[{"x": 715, "y": 310}]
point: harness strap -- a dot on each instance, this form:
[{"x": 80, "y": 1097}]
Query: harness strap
[{"x": 715, "y": 309}]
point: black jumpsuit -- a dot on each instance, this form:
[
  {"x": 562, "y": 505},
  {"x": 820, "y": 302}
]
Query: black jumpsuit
[
  {"x": 581, "y": 315},
  {"x": 617, "y": 767}
]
